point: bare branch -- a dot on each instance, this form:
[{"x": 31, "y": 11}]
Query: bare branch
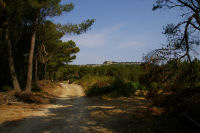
[{"x": 187, "y": 5}]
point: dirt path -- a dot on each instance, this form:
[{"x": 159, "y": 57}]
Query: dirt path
[{"x": 75, "y": 113}]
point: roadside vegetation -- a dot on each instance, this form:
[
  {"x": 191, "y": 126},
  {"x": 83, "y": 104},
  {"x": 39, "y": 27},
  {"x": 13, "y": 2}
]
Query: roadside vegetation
[
  {"x": 109, "y": 80},
  {"x": 172, "y": 87}
]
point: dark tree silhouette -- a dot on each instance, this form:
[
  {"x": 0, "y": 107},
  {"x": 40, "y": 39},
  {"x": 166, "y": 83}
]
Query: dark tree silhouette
[{"x": 182, "y": 38}]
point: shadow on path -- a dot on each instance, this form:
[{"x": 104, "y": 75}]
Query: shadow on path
[{"x": 80, "y": 114}]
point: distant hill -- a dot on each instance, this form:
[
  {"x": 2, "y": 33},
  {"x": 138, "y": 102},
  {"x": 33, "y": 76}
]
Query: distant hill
[
  {"x": 123, "y": 63},
  {"x": 114, "y": 63}
]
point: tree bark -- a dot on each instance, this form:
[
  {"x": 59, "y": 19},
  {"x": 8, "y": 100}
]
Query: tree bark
[
  {"x": 31, "y": 53},
  {"x": 13, "y": 74},
  {"x": 36, "y": 68},
  {"x": 11, "y": 65}
]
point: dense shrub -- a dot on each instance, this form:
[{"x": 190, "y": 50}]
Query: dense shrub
[
  {"x": 112, "y": 88},
  {"x": 99, "y": 88},
  {"x": 174, "y": 85},
  {"x": 110, "y": 80},
  {"x": 121, "y": 88},
  {"x": 73, "y": 72},
  {"x": 90, "y": 80}
]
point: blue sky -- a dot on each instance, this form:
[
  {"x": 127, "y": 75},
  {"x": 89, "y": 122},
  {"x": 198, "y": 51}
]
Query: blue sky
[{"x": 124, "y": 29}]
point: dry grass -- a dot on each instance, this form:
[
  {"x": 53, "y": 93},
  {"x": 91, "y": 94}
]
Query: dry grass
[
  {"x": 50, "y": 90},
  {"x": 90, "y": 80},
  {"x": 15, "y": 106},
  {"x": 18, "y": 111},
  {"x": 31, "y": 98}
]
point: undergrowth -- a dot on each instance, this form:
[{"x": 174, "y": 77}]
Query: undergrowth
[{"x": 109, "y": 86}]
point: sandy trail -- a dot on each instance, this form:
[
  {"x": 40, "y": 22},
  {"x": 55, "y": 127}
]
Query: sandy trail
[{"x": 75, "y": 113}]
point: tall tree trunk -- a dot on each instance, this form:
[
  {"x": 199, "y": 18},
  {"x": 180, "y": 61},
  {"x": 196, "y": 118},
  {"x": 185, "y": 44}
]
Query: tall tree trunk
[
  {"x": 11, "y": 65},
  {"x": 36, "y": 68},
  {"x": 31, "y": 53},
  {"x": 30, "y": 64},
  {"x": 15, "y": 81}
]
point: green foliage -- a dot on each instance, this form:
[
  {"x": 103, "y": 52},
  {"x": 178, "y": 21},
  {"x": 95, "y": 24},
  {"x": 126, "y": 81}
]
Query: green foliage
[
  {"x": 121, "y": 88},
  {"x": 89, "y": 80},
  {"x": 99, "y": 88},
  {"x": 67, "y": 73},
  {"x": 126, "y": 72},
  {"x": 51, "y": 7},
  {"x": 76, "y": 28},
  {"x": 51, "y": 53},
  {"x": 174, "y": 85},
  {"x": 99, "y": 85},
  {"x": 64, "y": 53},
  {"x": 110, "y": 80},
  {"x": 153, "y": 85},
  {"x": 112, "y": 88},
  {"x": 136, "y": 85}
]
